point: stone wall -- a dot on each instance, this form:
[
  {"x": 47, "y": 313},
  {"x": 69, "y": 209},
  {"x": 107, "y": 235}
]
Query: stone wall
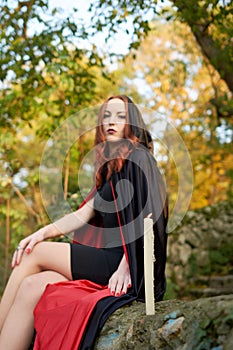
[{"x": 200, "y": 259}]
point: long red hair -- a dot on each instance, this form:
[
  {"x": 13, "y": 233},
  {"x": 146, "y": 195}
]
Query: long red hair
[{"x": 116, "y": 161}]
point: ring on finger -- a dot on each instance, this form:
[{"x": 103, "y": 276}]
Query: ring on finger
[{"x": 18, "y": 248}]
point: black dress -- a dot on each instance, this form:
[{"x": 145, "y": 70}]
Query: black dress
[{"x": 98, "y": 264}]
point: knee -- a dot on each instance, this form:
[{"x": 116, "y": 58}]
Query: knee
[
  {"x": 29, "y": 291},
  {"x": 35, "y": 256}
]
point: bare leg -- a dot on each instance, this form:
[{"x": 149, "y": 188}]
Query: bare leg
[
  {"x": 45, "y": 256},
  {"x": 18, "y": 328}
]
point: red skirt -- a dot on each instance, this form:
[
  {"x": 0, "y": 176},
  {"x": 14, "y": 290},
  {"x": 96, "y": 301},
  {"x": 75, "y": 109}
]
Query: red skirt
[{"x": 62, "y": 314}]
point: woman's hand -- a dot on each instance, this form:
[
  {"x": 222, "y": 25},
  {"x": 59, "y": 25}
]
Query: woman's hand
[
  {"x": 28, "y": 243},
  {"x": 120, "y": 280}
]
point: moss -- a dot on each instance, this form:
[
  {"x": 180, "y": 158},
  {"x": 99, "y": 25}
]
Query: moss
[
  {"x": 222, "y": 259},
  {"x": 192, "y": 263},
  {"x": 220, "y": 262},
  {"x": 172, "y": 290}
]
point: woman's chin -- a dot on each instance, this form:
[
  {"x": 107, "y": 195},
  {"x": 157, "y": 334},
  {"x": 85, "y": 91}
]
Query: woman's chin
[{"x": 112, "y": 138}]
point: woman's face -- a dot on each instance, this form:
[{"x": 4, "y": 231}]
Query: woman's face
[{"x": 114, "y": 120}]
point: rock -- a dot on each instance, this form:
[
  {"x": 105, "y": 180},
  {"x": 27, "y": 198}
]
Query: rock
[
  {"x": 211, "y": 285},
  {"x": 203, "y": 258},
  {"x": 174, "y": 251},
  {"x": 191, "y": 214},
  {"x": 192, "y": 240},
  {"x": 171, "y": 327},
  {"x": 178, "y": 271},
  {"x": 182, "y": 238},
  {"x": 205, "y": 323},
  {"x": 185, "y": 252}
]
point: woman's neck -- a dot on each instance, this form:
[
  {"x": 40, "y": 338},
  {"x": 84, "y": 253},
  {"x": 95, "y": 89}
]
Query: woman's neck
[{"x": 112, "y": 147}]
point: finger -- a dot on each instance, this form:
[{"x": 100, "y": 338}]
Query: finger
[
  {"x": 16, "y": 257},
  {"x": 31, "y": 245},
  {"x": 19, "y": 254},
  {"x": 13, "y": 262},
  {"x": 112, "y": 285},
  {"x": 119, "y": 287},
  {"x": 113, "y": 288},
  {"x": 19, "y": 251},
  {"x": 22, "y": 244},
  {"x": 126, "y": 285}
]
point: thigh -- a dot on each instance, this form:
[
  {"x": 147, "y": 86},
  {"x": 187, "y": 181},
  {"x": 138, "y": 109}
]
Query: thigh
[{"x": 54, "y": 256}]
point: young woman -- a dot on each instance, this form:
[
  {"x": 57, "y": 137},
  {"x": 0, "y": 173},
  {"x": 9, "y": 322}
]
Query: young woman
[{"x": 105, "y": 269}]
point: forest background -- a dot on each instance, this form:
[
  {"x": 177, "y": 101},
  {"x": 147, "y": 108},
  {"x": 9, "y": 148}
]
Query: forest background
[{"x": 178, "y": 64}]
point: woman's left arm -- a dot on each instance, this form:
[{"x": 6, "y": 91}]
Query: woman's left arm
[{"x": 120, "y": 281}]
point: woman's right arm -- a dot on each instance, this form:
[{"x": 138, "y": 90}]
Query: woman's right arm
[{"x": 63, "y": 226}]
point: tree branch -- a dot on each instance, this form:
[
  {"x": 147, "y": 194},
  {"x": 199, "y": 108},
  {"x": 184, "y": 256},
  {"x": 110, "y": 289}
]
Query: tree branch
[{"x": 23, "y": 199}]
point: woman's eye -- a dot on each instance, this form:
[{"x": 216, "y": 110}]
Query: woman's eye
[
  {"x": 106, "y": 115},
  {"x": 122, "y": 116}
]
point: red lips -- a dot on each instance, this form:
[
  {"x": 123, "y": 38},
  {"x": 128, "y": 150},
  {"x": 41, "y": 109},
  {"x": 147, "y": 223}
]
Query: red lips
[{"x": 111, "y": 131}]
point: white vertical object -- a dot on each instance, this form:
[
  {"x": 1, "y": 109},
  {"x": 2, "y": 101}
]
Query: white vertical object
[{"x": 149, "y": 265}]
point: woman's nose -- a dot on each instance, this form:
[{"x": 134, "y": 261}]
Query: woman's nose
[{"x": 112, "y": 120}]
